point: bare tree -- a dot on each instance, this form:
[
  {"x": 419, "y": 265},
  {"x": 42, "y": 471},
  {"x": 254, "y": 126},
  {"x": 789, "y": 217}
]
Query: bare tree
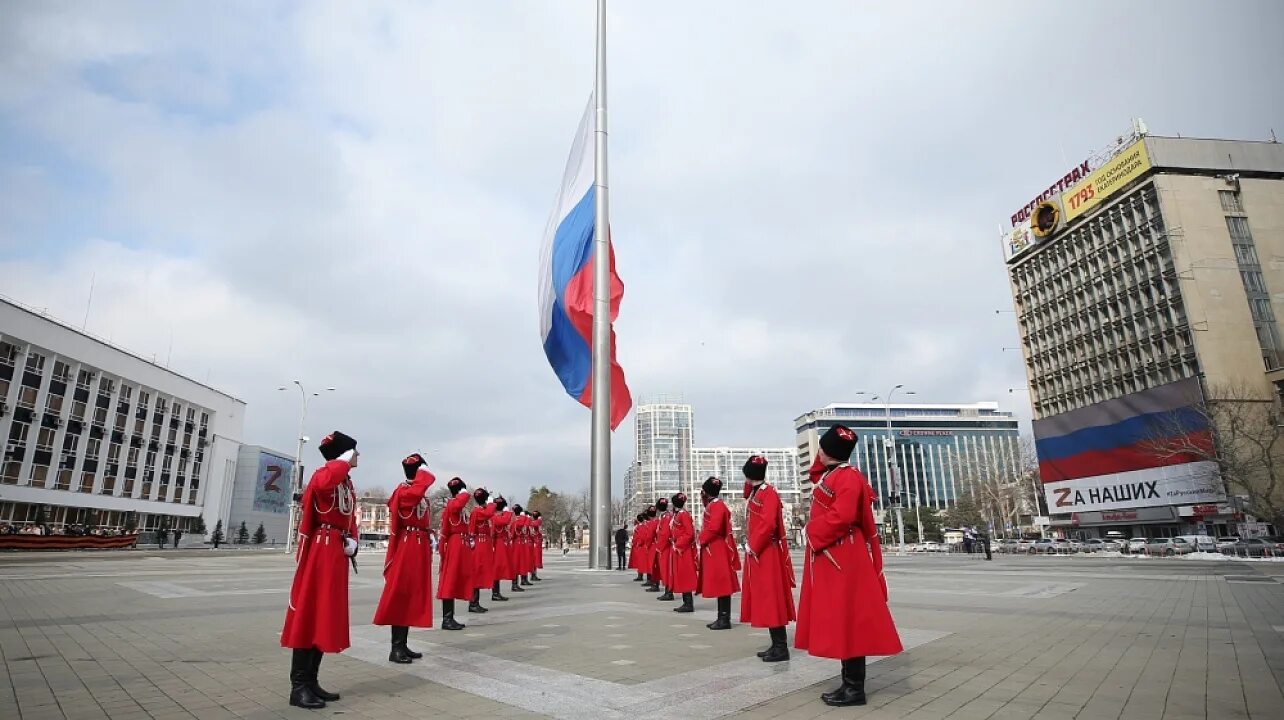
[
  {"x": 1238, "y": 428},
  {"x": 619, "y": 513},
  {"x": 993, "y": 484}
]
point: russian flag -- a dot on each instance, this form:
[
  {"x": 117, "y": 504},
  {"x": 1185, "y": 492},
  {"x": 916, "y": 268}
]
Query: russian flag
[
  {"x": 566, "y": 282},
  {"x": 1122, "y": 435}
]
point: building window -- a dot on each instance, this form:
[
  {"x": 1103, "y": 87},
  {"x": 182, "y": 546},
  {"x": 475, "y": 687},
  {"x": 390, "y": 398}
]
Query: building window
[
  {"x": 63, "y": 481},
  {"x": 45, "y": 439},
  {"x": 9, "y": 472},
  {"x": 86, "y": 482},
  {"x": 35, "y": 363},
  {"x": 8, "y": 354},
  {"x": 1230, "y": 201},
  {"x": 38, "y": 475},
  {"x": 1239, "y": 232}
]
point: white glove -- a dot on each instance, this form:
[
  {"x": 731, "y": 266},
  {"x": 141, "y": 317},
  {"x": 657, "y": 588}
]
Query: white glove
[
  {"x": 347, "y": 457},
  {"x": 349, "y": 547}
]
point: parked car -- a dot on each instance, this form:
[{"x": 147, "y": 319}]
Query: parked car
[
  {"x": 1201, "y": 543},
  {"x": 1253, "y": 547},
  {"x": 931, "y": 546},
  {"x": 1043, "y": 546},
  {"x": 1102, "y": 545},
  {"x": 1008, "y": 546},
  {"x": 1137, "y": 545},
  {"x": 1024, "y": 545},
  {"x": 1076, "y": 546},
  {"x": 1061, "y": 546},
  {"x": 1226, "y": 542},
  {"x": 1278, "y": 541},
  {"x": 1169, "y": 546}
]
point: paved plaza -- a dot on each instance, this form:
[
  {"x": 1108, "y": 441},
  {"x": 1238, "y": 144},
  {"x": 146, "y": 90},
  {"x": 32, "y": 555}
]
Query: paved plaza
[{"x": 193, "y": 634}]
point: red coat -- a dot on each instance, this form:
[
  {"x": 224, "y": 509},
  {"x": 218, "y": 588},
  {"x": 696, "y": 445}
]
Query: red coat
[
  {"x": 318, "y": 611},
  {"x": 642, "y": 546},
  {"x": 539, "y": 542},
  {"x": 503, "y": 555},
  {"x": 844, "y": 595},
  {"x": 521, "y": 541},
  {"x": 633, "y": 546},
  {"x": 482, "y": 532},
  {"x": 683, "y": 573},
  {"x": 663, "y": 548},
  {"x": 768, "y": 599},
  {"x": 455, "y": 579},
  {"x": 719, "y": 559},
  {"x": 407, "y": 568}
]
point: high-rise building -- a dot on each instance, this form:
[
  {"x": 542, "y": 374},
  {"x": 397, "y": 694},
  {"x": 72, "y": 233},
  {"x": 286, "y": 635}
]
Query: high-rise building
[
  {"x": 1146, "y": 281},
  {"x": 933, "y": 443},
  {"x": 727, "y": 464},
  {"x": 662, "y": 459},
  {"x": 98, "y": 436}
]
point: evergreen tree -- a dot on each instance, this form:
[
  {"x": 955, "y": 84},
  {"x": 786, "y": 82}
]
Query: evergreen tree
[
  {"x": 260, "y": 535},
  {"x": 242, "y": 534},
  {"x": 216, "y": 537}
]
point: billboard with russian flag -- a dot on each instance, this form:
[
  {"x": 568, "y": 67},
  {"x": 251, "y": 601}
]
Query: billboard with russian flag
[{"x": 1145, "y": 449}]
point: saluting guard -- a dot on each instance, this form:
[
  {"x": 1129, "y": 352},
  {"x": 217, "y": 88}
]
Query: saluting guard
[
  {"x": 407, "y": 567},
  {"x": 316, "y": 621},
  {"x": 768, "y": 597}
]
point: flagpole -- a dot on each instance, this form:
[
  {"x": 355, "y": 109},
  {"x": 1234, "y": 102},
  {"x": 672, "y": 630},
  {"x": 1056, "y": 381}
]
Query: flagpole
[{"x": 600, "y": 486}]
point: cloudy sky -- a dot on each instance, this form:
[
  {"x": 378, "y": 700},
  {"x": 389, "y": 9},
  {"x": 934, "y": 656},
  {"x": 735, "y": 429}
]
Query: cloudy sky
[{"x": 805, "y": 203}]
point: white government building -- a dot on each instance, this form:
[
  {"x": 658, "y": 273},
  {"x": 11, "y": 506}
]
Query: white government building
[{"x": 96, "y": 435}]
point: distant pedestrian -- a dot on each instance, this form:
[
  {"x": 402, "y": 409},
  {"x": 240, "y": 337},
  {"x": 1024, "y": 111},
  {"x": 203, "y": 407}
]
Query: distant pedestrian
[
  {"x": 178, "y": 535},
  {"x": 161, "y": 537},
  {"x": 621, "y": 541}
]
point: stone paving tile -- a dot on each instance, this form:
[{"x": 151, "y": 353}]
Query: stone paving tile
[{"x": 192, "y": 634}]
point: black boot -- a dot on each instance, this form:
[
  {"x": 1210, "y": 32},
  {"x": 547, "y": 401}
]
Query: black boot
[
  {"x": 398, "y": 654},
  {"x": 475, "y": 606},
  {"x": 779, "y": 650},
  {"x": 686, "y": 605},
  {"x": 525, "y": 580},
  {"x": 448, "y": 616},
  {"x": 301, "y": 694},
  {"x": 668, "y": 594},
  {"x": 652, "y": 584},
  {"x": 405, "y": 637},
  {"x": 516, "y": 588},
  {"x": 312, "y": 678},
  {"x": 535, "y": 576},
  {"x": 724, "y": 615},
  {"x": 638, "y": 578},
  {"x": 852, "y": 691},
  {"x": 494, "y": 593}
]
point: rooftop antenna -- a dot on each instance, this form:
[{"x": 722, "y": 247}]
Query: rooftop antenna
[
  {"x": 1273, "y": 136},
  {"x": 90, "y": 302}
]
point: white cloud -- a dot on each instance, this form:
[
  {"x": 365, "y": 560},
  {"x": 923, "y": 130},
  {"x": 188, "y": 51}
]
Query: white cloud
[{"x": 805, "y": 202}]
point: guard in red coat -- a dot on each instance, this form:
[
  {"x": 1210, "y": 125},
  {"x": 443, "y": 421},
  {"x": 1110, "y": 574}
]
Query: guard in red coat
[
  {"x": 503, "y": 564},
  {"x": 454, "y": 582},
  {"x": 684, "y": 576},
  {"x": 483, "y": 555},
  {"x": 843, "y": 610},
  {"x": 316, "y": 621},
  {"x": 768, "y": 599},
  {"x": 719, "y": 558},
  {"x": 407, "y": 568},
  {"x": 516, "y": 554},
  {"x": 635, "y": 545},
  {"x": 537, "y": 547},
  {"x": 647, "y": 561},
  {"x": 663, "y": 548},
  {"x": 525, "y": 547}
]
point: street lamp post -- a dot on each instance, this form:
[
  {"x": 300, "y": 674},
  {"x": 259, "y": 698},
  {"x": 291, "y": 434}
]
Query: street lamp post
[
  {"x": 890, "y": 445},
  {"x": 296, "y": 483}
]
